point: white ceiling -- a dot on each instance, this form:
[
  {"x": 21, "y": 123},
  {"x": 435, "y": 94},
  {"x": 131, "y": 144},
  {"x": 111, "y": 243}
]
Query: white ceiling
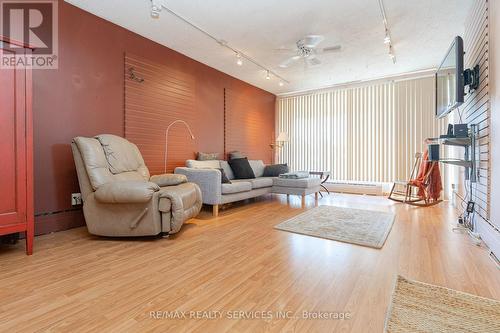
[{"x": 421, "y": 32}]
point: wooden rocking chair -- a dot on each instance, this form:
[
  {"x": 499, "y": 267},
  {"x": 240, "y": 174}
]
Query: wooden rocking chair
[{"x": 407, "y": 191}]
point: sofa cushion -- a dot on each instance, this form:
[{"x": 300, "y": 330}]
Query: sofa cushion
[
  {"x": 126, "y": 192},
  {"x": 260, "y": 182},
  {"x": 121, "y": 154},
  {"x": 257, "y": 167},
  {"x": 241, "y": 168},
  {"x": 207, "y": 156},
  {"x": 94, "y": 160},
  {"x": 227, "y": 169},
  {"x": 297, "y": 183},
  {"x": 236, "y": 187},
  {"x": 275, "y": 170},
  {"x": 168, "y": 179},
  {"x": 211, "y": 164},
  {"x": 223, "y": 177},
  {"x": 235, "y": 154}
]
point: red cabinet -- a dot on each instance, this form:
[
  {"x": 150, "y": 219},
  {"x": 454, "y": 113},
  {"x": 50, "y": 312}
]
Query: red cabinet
[{"x": 16, "y": 149}]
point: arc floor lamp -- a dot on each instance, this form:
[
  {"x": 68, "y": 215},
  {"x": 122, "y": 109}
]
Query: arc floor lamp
[{"x": 178, "y": 121}]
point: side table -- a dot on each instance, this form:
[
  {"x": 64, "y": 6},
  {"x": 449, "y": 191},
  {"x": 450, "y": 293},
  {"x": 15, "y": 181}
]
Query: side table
[{"x": 324, "y": 176}]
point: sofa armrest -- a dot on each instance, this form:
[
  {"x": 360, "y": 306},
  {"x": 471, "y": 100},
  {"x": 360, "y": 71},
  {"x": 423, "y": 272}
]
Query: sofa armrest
[
  {"x": 129, "y": 191},
  {"x": 168, "y": 179},
  {"x": 209, "y": 181}
]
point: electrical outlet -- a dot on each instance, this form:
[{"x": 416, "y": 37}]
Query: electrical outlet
[{"x": 76, "y": 199}]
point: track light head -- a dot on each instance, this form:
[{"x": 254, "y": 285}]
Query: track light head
[
  {"x": 387, "y": 39},
  {"x": 155, "y": 9},
  {"x": 239, "y": 61}
]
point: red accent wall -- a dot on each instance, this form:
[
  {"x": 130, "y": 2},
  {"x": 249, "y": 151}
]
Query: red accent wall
[
  {"x": 85, "y": 97},
  {"x": 245, "y": 120}
]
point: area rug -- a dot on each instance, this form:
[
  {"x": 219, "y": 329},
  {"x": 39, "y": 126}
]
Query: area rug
[
  {"x": 421, "y": 307},
  {"x": 356, "y": 226}
]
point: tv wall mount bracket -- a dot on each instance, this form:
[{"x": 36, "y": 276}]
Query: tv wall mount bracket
[{"x": 471, "y": 78}]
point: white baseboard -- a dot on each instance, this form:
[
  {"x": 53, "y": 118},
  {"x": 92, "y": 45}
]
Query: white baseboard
[
  {"x": 356, "y": 187},
  {"x": 489, "y": 235}
]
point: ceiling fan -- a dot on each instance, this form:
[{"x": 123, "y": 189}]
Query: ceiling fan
[{"x": 307, "y": 49}]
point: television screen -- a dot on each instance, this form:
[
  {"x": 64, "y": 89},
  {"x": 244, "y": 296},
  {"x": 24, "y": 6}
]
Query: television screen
[{"x": 450, "y": 79}]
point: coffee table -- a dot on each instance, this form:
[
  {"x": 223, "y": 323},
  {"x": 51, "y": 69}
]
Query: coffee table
[{"x": 324, "y": 176}]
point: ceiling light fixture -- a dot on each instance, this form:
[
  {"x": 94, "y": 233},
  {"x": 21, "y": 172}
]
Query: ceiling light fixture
[
  {"x": 221, "y": 42},
  {"x": 387, "y": 38},
  {"x": 239, "y": 61},
  {"x": 155, "y": 9},
  {"x": 281, "y": 83},
  {"x": 268, "y": 76}
]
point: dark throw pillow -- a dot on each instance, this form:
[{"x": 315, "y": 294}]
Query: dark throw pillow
[
  {"x": 223, "y": 177},
  {"x": 207, "y": 156},
  {"x": 241, "y": 168},
  {"x": 275, "y": 170},
  {"x": 235, "y": 154}
]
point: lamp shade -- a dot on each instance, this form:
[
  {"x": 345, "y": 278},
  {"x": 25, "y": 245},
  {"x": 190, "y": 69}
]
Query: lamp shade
[{"x": 282, "y": 137}]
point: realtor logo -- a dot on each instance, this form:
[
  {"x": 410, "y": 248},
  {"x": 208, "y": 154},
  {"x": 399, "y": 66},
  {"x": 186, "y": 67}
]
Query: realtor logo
[{"x": 32, "y": 24}]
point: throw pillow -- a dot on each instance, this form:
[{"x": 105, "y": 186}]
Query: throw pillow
[
  {"x": 212, "y": 164},
  {"x": 227, "y": 169},
  {"x": 257, "y": 167},
  {"x": 235, "y": 154},
  {"x": 207, "y": 156},
  {"x": 275, "y": 170},
  {"x": 223, "y": 177},
  {"x": 241, "y": 168}
]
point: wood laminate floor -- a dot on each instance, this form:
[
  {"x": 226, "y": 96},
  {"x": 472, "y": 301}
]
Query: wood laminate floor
[{"x": 239, "y": 269}]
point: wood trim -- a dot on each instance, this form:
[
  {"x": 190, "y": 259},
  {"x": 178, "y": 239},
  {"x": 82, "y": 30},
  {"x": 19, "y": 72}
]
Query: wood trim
[
  {"x": 59, "y": 221},
  {"x": 476, "y": 107},
  {"x": 30, "y": 211},
  {"x": 16, "y": 42}
]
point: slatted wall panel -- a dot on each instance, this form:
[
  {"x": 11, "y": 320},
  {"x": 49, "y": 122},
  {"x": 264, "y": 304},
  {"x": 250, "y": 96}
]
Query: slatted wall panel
[
  {"x": 366, "y": 133},
  {"x": 476, "y": 109},
  {"x": 165, "y": 95},
  {"x": 249, "y": 126}
]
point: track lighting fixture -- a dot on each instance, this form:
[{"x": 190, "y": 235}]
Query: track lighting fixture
[
  {"x": 158, "y": 5},
  {"x": 155, "y": 9},
  {"x": 387, "y": 38},
  {"x": 239, "y": 61}
]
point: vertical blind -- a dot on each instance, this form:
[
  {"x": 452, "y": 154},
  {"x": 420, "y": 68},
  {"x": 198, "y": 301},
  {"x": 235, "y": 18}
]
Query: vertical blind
[{"x": 366, "y": 133}]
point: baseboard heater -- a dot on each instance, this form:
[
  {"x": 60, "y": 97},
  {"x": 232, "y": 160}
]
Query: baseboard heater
[{"x": 354, "y": 187}]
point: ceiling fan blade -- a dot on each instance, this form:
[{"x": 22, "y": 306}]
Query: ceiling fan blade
[
  {"x": 311, "y": 41},
  {"x": 313, "y": 61},
  {"x": 286, "y": 50},
  {"x": 334, "y": 48},
  {"x": 289, "y": 61}
]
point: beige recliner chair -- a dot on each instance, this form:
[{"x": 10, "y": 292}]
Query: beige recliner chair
[{"x": 119, "y": 196}]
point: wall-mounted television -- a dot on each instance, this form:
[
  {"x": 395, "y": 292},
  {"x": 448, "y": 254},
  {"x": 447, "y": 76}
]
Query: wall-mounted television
[{"x": 450, "y": 79}]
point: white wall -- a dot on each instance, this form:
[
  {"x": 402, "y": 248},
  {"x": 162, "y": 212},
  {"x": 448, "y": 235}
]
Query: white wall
[{"x": 494, "y": 25}]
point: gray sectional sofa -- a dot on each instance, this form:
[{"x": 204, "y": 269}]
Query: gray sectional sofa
[{"x": 208, "y": 178}]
